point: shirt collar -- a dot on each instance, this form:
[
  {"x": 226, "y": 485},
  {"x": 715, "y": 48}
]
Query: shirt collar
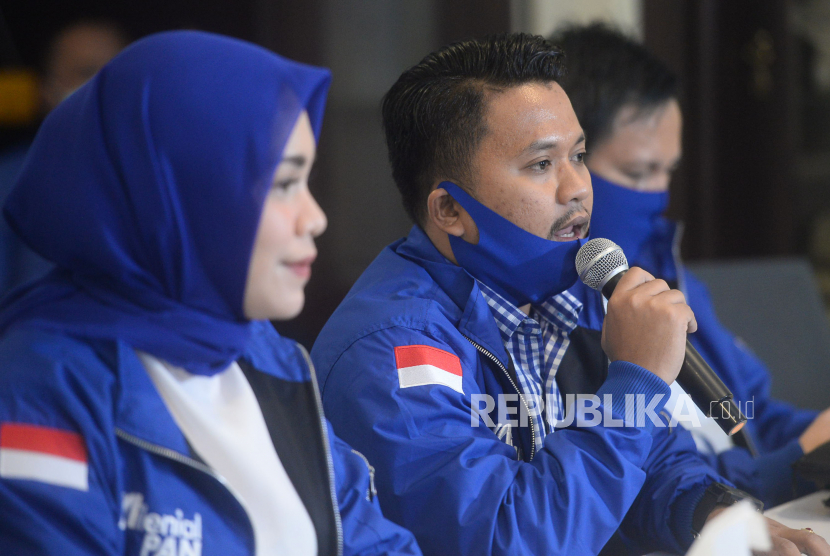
[{"x": 560, "y": 310}]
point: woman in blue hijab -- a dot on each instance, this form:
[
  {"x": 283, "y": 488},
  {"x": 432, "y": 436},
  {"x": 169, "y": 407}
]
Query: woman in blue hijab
[{"x": 146, "y": 404}]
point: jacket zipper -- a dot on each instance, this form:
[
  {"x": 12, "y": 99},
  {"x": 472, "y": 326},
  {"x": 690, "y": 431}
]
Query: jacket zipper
[
  {"x": 519, "y": 392},
  {"x": 184, "y": 460},
  {"x": 329, "y": 461},
  {"x": 167, "y": 453},
  {"x": 372, "y": 492}
]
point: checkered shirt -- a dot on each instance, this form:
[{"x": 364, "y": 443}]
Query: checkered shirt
[{"x": 536, "y": 343}]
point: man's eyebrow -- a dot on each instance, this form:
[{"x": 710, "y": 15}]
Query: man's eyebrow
[
  {"x": 547, "y": 144},
  {"x": 297, "y": 160}
]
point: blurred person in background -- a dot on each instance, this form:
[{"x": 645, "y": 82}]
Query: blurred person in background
[
  {"x": 627, "y": 103},
  {"x": 75, "y": 53},
  {"x": 147, "y": 406}
]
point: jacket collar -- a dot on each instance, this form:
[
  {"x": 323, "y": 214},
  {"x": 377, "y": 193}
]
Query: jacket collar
[
  {"x": 141, "y": 411},
  {"x": 476, "y": 320}
]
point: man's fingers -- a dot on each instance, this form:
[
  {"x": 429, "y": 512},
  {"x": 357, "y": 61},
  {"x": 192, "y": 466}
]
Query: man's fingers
[
  {"x": 646, "y": 324},
  {"x": 633, "y": 277},
  {"x": 692, "y": 327},
  {"x": 643, "y": 285},
  {"x": 654, "y": 287},
  {"x": 674, "y": 297},
  {"x": 683, "y": 312},
  {"x": 809, "y": 543},
  {"x": 784, "y": 547},
  {"x": 687, "y": 316},
  {"x": 802, "y": 541},
  {"x": 780, "y": 547}
]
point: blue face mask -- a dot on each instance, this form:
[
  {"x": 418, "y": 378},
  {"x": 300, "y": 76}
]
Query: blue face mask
[
  {"x": 629, "y": 218},
  {"x": 519, "y": 266}
]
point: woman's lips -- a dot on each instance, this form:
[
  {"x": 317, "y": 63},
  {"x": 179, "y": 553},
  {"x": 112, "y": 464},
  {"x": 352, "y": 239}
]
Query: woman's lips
[{"x": 302, "y": 268}]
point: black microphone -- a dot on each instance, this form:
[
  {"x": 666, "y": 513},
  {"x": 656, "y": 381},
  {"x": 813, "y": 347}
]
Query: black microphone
[{"x": 600, "y": 264}]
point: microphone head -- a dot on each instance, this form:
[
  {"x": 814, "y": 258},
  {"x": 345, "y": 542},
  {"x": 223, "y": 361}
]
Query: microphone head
[{"x": 598, "y": 261}]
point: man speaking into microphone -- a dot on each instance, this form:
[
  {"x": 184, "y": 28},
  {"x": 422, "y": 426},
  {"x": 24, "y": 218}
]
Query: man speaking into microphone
[{"x": 441, "y": 364}]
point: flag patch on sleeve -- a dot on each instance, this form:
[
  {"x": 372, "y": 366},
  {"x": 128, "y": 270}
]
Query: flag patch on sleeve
[
  {"x": 44, "y": 454},
  {"x": 420, "y": 365}
]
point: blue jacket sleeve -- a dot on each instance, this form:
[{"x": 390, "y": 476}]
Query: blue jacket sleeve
[
  {"x": 365, "y": 530},
  {"x": 677, "y": 476},
  {"x": 45, "y": 388},
  {"x": 461, "y": 490},
  {"x": 768, "y": 477},
  {"x": 774, "y": 425}
]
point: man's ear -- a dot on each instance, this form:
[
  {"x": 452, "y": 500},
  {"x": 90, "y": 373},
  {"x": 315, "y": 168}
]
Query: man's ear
[
  {"x": 447, "y": 215},
  {"x": 444, "y": 212}
]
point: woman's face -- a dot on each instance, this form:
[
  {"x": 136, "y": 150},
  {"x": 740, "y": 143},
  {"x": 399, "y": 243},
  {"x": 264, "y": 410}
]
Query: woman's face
[{"x": 284, "y": 246}]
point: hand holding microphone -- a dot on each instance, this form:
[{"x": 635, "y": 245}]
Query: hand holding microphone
[{"x": 646, "y": 324}]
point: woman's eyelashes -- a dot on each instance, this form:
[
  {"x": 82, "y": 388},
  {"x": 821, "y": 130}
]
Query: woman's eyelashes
[{"x": 285, "y": 185}]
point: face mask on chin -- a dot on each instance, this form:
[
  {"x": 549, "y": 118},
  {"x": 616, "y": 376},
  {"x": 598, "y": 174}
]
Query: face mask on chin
[
  {"x": 628, "y": 217},
  {"x": 519, "y": 266}
]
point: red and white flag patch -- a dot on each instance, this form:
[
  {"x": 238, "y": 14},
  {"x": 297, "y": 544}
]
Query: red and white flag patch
[
  {"x": 420, "y": 365},
  {"x": 43, "y": 454}
]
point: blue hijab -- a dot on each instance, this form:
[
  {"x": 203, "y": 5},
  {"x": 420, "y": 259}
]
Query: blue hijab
[{"x": 145, "y": 188}]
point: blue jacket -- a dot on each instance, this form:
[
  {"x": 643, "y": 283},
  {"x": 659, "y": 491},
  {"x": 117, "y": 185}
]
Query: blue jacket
[
  {"x": 774, "y": 426},
  {"x": 460, "y": 487},
  {"x": 143, "y": 475}
]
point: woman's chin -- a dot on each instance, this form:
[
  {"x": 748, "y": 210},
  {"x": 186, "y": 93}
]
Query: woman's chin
[{"x": 275, "y": 305}]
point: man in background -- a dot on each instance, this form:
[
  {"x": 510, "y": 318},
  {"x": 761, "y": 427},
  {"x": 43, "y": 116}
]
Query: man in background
[
  {"x": 627, "y": 103},
  {"x": 75, "y": 53}
]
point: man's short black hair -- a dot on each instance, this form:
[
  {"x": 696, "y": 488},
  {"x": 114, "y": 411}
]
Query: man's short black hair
[
  {"x": 433, "y": 115},
  {"x": 607, "y": 71}
]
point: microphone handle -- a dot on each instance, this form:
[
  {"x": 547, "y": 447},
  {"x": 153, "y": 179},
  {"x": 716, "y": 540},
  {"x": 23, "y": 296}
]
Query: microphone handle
[
  {"x": 698, "y": 379},
  {"x": 611, "y": 284},
  {"x": 700, "y": 382}
]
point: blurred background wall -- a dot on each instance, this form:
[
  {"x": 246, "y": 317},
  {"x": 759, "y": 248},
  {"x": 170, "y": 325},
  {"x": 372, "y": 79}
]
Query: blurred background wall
[{"x": 755, "y": 74}]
